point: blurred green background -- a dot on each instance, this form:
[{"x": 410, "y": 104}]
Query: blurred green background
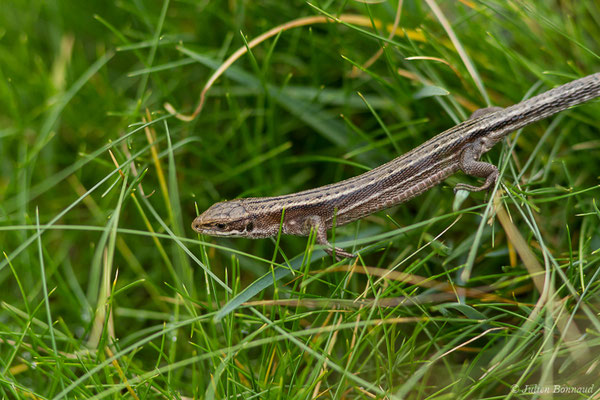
[{"x": 106, "y": 290}]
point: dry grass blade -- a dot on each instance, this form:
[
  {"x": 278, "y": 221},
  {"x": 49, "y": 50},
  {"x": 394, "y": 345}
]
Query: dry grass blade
[
  {"x": 115, "y": 364},
  {"x": 459, "y": 48},
  {"x": 306, "y": 21},
  {"x": 541, "y": 279},
  {"x": 355, "y": 70},
  {"x": 324, "y": 364},
  {"x": 469, "y": 341}
]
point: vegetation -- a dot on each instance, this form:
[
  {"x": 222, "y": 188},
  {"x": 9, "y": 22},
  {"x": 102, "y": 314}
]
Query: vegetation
[{"x": 108, "y": 293}]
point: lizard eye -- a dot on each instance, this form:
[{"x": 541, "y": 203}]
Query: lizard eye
[{"x": 221, "y": 226}]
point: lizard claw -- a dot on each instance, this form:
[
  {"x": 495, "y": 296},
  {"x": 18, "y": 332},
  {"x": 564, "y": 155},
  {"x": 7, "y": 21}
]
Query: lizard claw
[{"x": 340, "y": 254}]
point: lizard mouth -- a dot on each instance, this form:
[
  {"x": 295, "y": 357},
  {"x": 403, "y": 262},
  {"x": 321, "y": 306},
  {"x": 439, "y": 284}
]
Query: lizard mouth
[
  {"x": 210, "y": 228},
  {"x": 215, "y": 228},
  {"x": 196, "y": 225}
]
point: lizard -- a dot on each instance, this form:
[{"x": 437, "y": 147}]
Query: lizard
[{"x": 397, "y": 181}]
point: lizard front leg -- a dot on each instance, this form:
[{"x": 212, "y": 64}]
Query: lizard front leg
[{"x": 319, "y": 226}]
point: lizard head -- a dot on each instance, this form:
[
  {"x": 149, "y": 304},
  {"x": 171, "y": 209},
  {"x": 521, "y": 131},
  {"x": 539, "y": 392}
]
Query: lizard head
[{"x": 228, "y": 218}]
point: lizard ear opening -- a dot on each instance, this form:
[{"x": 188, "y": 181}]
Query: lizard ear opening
[{"x": 250, "y": 226}]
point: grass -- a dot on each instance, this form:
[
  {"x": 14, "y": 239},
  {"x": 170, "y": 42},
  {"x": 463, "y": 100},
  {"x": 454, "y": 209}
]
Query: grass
[{"x": 107, "y": 292}]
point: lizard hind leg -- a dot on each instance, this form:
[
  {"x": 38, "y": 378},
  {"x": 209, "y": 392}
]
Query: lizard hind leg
[
  {"x": 319, "y": 226},
  {"x": 469, "y": 163},
  {"x": 484, "y": 111}
]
